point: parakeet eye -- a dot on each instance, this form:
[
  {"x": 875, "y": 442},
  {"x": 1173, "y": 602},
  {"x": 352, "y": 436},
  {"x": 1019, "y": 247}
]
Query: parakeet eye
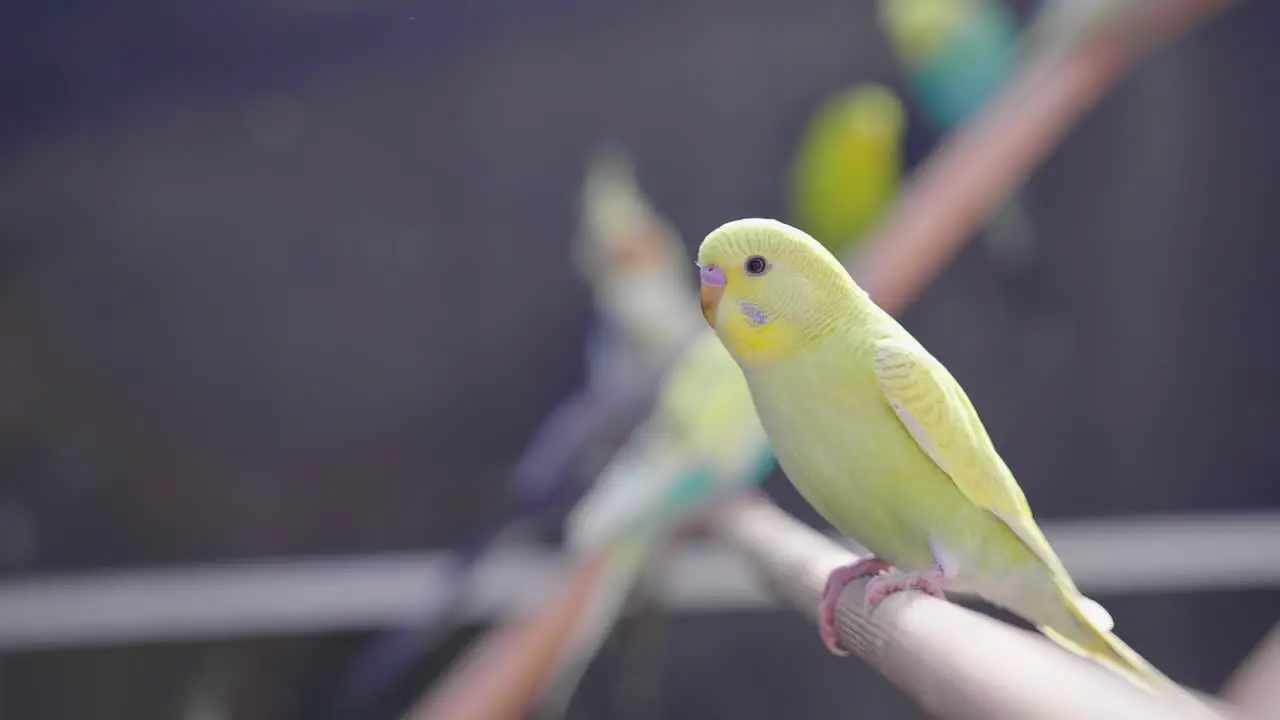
[{"x": 756, "y": 265}]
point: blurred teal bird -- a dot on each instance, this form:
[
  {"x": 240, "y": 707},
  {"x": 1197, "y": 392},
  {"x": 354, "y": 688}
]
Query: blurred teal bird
[{"x": 957, "y": 54}]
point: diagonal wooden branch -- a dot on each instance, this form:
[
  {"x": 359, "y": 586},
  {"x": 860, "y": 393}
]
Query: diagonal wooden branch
[
  {"x": 502, "y": 672},
  {"x": 1255, "y": 686},
  {"x": 970, "y": 173},
  {"x": 955, "y": 662},
  {"x": 982, "y": 162}
]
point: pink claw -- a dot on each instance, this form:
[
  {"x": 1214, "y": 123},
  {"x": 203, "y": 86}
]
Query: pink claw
[
  {"x": 836, "y": 583},
  {"x": 931, "y": 582}
]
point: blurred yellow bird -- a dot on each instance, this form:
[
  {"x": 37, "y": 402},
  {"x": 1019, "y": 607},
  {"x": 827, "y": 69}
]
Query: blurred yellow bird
[
  {"x": 883, "y": 442},
  {"x": 848, "y": 165}
]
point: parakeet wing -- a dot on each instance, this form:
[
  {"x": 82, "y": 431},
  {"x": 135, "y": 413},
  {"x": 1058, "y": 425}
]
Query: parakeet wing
[{"x": 938, "y": 414}]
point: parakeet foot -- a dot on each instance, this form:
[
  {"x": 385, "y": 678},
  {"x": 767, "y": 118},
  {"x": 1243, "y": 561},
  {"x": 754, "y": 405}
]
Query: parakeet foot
[
  {"x": 932, "y": 582},
  {"x": 836, "y": 582}
]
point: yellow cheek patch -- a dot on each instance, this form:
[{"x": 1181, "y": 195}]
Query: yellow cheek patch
[{"x": 752, "y": 341}]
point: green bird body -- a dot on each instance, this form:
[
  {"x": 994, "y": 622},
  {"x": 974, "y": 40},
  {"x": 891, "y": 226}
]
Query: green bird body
[
  {"x": 875, "y": 433},
  {"x": 877, "y": 485}
]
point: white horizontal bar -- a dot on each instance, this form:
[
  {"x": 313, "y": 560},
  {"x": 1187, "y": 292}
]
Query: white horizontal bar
[{"x": 1116, "y": 555}]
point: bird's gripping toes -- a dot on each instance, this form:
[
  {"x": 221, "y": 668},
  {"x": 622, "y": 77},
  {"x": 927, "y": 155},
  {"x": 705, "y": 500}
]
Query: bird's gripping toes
[{"x": 884, "y": 582}]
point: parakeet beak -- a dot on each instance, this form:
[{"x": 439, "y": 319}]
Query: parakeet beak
[{"x": 713, "y": 282}]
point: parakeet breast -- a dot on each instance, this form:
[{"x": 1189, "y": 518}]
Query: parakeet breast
[{"x": 846, "y": 452}]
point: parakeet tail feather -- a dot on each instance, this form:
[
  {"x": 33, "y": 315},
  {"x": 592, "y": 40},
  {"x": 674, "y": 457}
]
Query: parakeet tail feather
[{"x": 1094, "y": 640}]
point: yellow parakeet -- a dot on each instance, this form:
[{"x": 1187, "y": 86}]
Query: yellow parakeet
[
  {"x": 883, "y": 442},
  {"x": 848, "y": 166}
]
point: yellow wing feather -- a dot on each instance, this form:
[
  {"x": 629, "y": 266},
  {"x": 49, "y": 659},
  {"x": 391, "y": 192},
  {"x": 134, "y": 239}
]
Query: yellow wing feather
[{"x": 938, "y": 414}]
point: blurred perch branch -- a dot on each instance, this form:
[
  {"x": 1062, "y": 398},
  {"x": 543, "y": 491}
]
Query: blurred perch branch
[
  {"x": 957, "y": 187},
  {"x": 988, "y": 157},
  {"x": 1255, "y": 686},
  {"x": 501, "y": 674},
  {"x": 953, "y": 661}
]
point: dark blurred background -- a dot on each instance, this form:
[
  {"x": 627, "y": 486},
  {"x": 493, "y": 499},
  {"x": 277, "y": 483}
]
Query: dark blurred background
[{"x": 290, "y": 278}]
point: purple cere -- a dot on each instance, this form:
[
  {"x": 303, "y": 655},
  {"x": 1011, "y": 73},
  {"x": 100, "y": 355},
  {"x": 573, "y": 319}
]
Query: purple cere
[{"x": 712, "y": 275}]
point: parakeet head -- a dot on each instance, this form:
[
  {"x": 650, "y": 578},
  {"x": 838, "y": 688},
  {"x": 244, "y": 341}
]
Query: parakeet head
[
  {"x": 633, "y": 259},
  {"x": 921, "y": 29},
  {"x": 874, "y": 110},
  {"x": 621, "y": 234},
  {"x": 769, "y": 289}
]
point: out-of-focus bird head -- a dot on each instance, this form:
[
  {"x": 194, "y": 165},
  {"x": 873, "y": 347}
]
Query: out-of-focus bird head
[
  {"x": 921, "y": 29},
  {"x": 633, "y": 259},
  {"x": 769, "y": 289},
  {"x": 621, "y": 234},
  {"x": 874, "y": 111}
]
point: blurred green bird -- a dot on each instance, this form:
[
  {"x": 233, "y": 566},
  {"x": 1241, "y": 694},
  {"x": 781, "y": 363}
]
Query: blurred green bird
[{"x": 848, "y": 165}]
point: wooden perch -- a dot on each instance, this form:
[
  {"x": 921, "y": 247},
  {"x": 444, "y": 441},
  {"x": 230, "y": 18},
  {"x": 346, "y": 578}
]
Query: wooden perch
[
  {"x": 955, "y": 662},
  {"x": 1255, "y": 686},
  {"x": 500, "y": 675}
]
